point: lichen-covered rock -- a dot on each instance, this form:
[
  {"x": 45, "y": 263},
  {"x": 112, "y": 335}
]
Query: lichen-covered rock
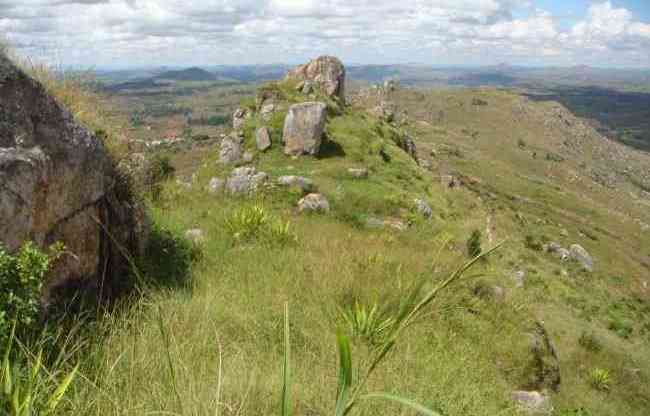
[
  {"x": 59, "y": 184},
  {"x": 263, "y": 139},
  {"x": 303, "y": 128},
  {"x": 232, "y": 149},
  {"x": 245, "y": 181},
  {"x": 314, "y": 203},
  {"x": 579, "y": 254},
  {"x": 326, "y": 72}
]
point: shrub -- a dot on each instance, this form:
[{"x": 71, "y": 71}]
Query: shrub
[
  {"x": 600, "y": 379},
  {"x": 21, "y": 281},
  {"x": 366, "y": 322},
  {"x": 253, "y": 223},
  {"x": 474, "y": 244},
  {"x": 622, "y": 327},
  {"x": 589, "y": 342},
  {"x": 159, "y": 170}
]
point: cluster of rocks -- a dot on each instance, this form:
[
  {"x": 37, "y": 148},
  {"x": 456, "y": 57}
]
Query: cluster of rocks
[
  {"x": 575, "y": 253},
  {"x": 242, "y": 181}
]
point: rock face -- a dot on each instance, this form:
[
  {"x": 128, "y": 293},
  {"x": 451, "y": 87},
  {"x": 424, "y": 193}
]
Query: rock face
[
  {"x": 263, "y": 139},
  {"x": 59, "y": 184},
  {"x": 326, "y": 72},
  {"x": 314, "y": 203},
  {"x": 303, "y": 128}
]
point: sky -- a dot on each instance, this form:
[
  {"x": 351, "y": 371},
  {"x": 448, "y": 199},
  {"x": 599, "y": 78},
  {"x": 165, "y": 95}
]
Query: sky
[{"x": 137, "y": 33}]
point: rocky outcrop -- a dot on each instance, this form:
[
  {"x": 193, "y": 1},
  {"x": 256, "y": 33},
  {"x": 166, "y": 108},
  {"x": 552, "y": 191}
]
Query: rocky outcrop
[
  {"x": 59, "y": 184},
  {"x": 326, "y": 73},
  {"x": 239, "y": 118},
  {"x": 303, "y": 128}
]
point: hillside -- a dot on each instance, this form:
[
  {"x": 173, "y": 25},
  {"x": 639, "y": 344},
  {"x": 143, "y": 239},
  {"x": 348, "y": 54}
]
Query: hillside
[
  {"x": 559, "y": 311},
  {"x": 189, "y": 74}
]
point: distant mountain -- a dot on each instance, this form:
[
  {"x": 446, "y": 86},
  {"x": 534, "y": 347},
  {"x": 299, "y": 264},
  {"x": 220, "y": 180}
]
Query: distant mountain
[{"x": 189, "y": 74}]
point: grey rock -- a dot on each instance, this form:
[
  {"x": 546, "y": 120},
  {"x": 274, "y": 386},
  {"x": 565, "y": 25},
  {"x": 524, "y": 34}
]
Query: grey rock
[
  {"x": 245, "y": 181},
  {"x": 263, "y": 139},
  {"x": 314, "y": 203},
  {"x": 303, "y": 128},
  {"x": 306, "y": 185},
  {"x": 326, "y": 72},
  {"x": 533, "y": 403},
  {"x": 358, "y": 173},
  {"x": 558, "y": 251},
  {"x": 195, "y": 235},
  {"x": 216, "y": 186},
  {"x": 231, "y": 150},
  {"x": 423, "y": 208},
  {"x": 59, "y": 184},
  {"x": 579, "y": 254},
  {"x": 267, "y": 110},
  {"x": 239, "y": 118}
]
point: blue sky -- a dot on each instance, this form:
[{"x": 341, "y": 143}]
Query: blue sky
[{"x": 124, "y": 33}]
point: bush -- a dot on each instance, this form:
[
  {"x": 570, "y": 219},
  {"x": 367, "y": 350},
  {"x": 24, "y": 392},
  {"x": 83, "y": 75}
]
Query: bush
[
  {"x": 21, "y": 282},
  {"x": 159, "y": 170},
  {"x": 600, "y": 379},
  {"x": 217, "y": 120},
  {"x": 253, "y": 223},
  {"x": 622, "y": 327},
  {"x": 589, "y": 342},
  {"x": 367, "y": 323},
  {"x": 474, "y": 244}
]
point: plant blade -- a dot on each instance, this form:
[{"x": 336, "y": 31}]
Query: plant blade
[{"x": 401, "y": 400}]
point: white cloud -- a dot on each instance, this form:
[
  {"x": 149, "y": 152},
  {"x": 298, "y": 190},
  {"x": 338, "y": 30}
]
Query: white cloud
[{"x": 137, "y": 32}]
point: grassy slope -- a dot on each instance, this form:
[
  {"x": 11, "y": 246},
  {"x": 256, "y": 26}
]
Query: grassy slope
[{"x": 463, "y": 359}]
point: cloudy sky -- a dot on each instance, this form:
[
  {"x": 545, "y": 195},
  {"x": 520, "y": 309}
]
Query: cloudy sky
[{"x": 128, "y": 33}]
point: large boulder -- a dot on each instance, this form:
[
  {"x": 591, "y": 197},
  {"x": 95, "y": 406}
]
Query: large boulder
[
  {"x": 263, "y": 139},
  {"x": 231, "y": 150},
  {"x": 582, "y": 256},
  {"x": 58, "y": 183},
  {"x": 326, "y": 72},
  {"x": 303, "y": 128}
]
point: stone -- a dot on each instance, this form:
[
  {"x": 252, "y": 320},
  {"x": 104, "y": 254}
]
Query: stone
[
  {"x": 216, "y": 186},
  {"x": 579, "y": 254},
  {"x": 314, "y": 203},
  {"x": 263, "y": 139},
  {"x": 239, "y": 118},
  {"x": 358, "y": 173},
  {"x": 231, "y": 150},
  {"x": 533, "y": 403},
  {"x": 519, "y": 277},
  {"x": 543, "y": 369},
  {"x": 407, "y": 143},
  {"x": 58, "y": 183},
  {"x": 423, "y": 208},
  {"x": 267, "y": 111},
  {"x": 558, "y": 251},
  {"x": 195, "y": 235},
  {"x": 306, "y": 185},
  {"x": 325, "y": 72},
  {"x": 303, "y": 128},
  {"x": 248, "y": 157},
  {"x": 245, "y": 181}
]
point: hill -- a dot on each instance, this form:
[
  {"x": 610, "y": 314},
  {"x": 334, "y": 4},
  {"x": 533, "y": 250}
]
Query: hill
[{"x": 189, "y": 74}]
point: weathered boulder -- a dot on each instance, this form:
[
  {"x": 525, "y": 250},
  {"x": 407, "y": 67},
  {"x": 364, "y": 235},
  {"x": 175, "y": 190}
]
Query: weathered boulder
[
  {"x": 239, "y": 118},
  {"x": 58, "y": 183},
  {"x": 305, "y": 185},
  {"x": 314, "y": 203},
  {"x": 326, "y": 72},
  {"x": 533, "y": 403},
  {"x": 263, "y": 139},
  {"x": 579, "y": 254},
  {"x": 245, "y": 181},
  {"x": 303, "y": 128},
  {"x": 232, "y": 149}
]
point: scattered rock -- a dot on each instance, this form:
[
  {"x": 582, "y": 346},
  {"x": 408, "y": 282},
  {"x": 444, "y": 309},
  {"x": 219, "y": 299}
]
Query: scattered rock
[
  {"x": 245, "y": 181},
  {"x": 216, "y": 186},
  {"x": 579, "y": 254},
  {"x": 303, "y": 128},
  {"x": 195, "y": 235},
  {"x": 231, "y": 150},
  {"x": 306, "y": 185},
  {"x": 327, "y": 72},
  {"x": 358, "y": 173},
  {"x": 519, "y": 277},
  {"x": 239, "y": 118},
  {"x": 58, "y": 183},
  {"x": 533, "y": 403},
  {"x": 263, "y": 139},
  {"x": 314, "y": 203},
  {"x": 423, "y": 208}
]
